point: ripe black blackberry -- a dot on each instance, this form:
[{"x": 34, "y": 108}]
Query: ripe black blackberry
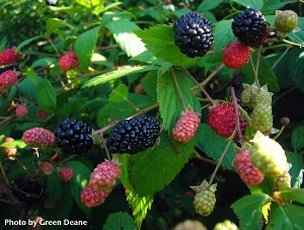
[
  {"x": 27, "y": 190},
  {"x": 134, "y": 135},
  {"x": 249, "y": 27},
  {"x": 73, "y": 136},
  {"x": 193, "y": 34}
]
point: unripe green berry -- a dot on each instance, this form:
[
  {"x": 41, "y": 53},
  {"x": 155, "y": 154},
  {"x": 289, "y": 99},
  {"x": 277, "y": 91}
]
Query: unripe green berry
[{"x": 286, "y": 21}]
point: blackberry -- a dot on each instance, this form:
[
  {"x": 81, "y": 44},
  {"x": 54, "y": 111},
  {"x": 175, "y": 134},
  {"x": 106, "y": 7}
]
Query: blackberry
[
  {"x": 73, "y": 136},
  {"x": 249, "y": 27},
  {"x": 27, "y": 190},
  {"x": 134, "y": 135},
  {"x": 193, "y": 34}
]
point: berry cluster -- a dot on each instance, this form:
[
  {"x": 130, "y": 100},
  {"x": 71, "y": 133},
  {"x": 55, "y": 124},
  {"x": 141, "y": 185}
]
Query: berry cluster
[
  {"x": 101, "y": 184},
  {"x": 245, "y": 168},
  {"x": 134, "y": 135},
  {"x": 268, "y": 155},
  {"x": 38, "y": 138},
  {"x": 10, "y": 152},
  {"x": 66, "y": 174},
  {"x": 68, "y": 61},
  {"x": 73, "y": 136},
  {"x": 221, "y": 119},
  {"x": 9, "y": 56},
  {"x": 193, "y": 34},
  {"x": 7, "y": 79},
  {"x": 186, "y": 127},
  {"x": 204, "y": 199},
  {"x": 249, "y": 27}
]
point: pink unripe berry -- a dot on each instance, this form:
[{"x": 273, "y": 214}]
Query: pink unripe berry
[
  {"x": 8, "y": 79},
  {"x": 92, "y": 198},
  {"x": 21, "y": 111},
  {"x": 245, "y": 168},
  {"x": 186, "y": 127},
  {"x": 38, "y": 138},
  {"x": 66, "y": 174},
  {"x": 9, "y": 152},
  {"x": 46, "y": 167},
  {"x": 68, "y": 61}
]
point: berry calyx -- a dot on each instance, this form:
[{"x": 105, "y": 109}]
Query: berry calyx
[
  {"x": 221, "y": 119},
  {"x": 68, "y": 61},
  {"x": 248, "y": 172},
  {"x": 8, "y": 79},
  {"x": 193, "y": 34},
  {"x": 186, "y": 127},
  {"x": 268, "y": 155},
  {"x": 104, "y": 176},
  {"x": 66, "y": 174},
  {"x": 38, "y": 138},
  {"x": 73, "y": 136},
  {"x": 236, "y": 55},
  {"x": 92, "y": 198},
  {"x": 21, "y": 111},
  {"x": 249, "y": 27},
  {"x": 134, "y": 135}
]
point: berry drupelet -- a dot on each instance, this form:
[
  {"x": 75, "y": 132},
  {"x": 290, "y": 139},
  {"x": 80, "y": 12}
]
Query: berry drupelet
[
  {"x": 73, "y": 136},
  {"x": 134, "y": 135},
  {"x": 193, "y": 34}
]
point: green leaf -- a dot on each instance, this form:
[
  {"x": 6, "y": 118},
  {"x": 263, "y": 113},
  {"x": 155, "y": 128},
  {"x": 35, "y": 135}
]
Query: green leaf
[
  {"x": 42, "y": 62},
  {"x": 296, "y": 160},
  {"x": 155, "y": 168},
  {"x": 257, "y": 4},
  {"x": 119, "y": 220},
  {"x": 170, "y": 104},
  {"x": 114, "y": 111},
  {"x": 249, "y": 210},
  {"x": 79, "y": 181},
  {"x": 53, "y": 25},
  {"x": 297, "y": 139},
  {"x": 266, "y": 75},
  {"x": 46, "y": 96},
  {"x": 53, "y": 188},
  {"x": 286, "y": 217},
  {"x": 208, "y": 5},
  {"x": 149, "y": 84},
  {"x": 119, "y": 94},
  {"x": 139, "y": 205},
  {"x": 14, "y": 144},
  {"x": 113, "y": 75},
  {"x": 293, "y": 195},
  {"x": 214, "y": 145},
  {"x": 84, "y": 46},
  {"x": 159, "y": 40},
  {"x": 298, "y": 34},
  {"x": 271, "y": 5},
  {"x": 223, "y": 27},
  {"x": 122, "y": 31},
  {"x": 27, "y": 42}
]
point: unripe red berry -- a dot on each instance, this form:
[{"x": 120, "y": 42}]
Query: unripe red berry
[
  {"x": 92, "y": 198},
  {"x": 66, "y": 174},
  {"x": 21, "y": 111},
  {"x": 8, "y": 79},
  {"x": 46, "y": 167},
  {"x": 236, "y": 55},
  {"x": 68, "y": 61},
  {"x": 9, "y": 56}
]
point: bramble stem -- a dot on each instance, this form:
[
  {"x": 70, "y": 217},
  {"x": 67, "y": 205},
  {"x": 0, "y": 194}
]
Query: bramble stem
[
  {"x": 3, "y": 172},
  {"x": 237, "y": 117},
  {"x": 221, "y": 159},
  {"x": 201, "y": 87},
  {"x": 281, "y": 57},
  {"x": 293, "y": 43},
  {"x": 203, "y": 83},
  {"x": 179, "y": 91},
  {"x": 256, "y": 79}
]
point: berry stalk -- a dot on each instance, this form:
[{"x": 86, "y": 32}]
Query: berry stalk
[{"x": 237, "y": 117}]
